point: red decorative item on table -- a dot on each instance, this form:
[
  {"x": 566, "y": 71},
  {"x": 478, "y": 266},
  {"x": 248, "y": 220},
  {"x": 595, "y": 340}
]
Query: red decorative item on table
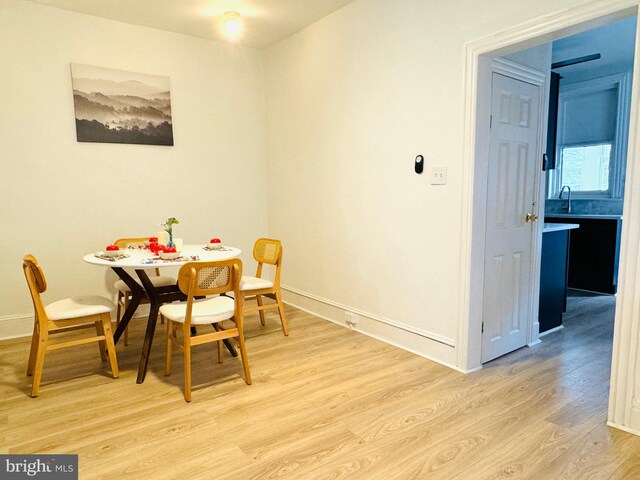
[{"x": 153, "y": 244}]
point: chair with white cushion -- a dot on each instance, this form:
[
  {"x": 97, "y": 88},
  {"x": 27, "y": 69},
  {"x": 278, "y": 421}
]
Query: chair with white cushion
[
  {"x": 124, "y": 292},
  {"x": 204, "y": 279},
  {"x": 265, "y": 251},
  {"x": 63, "y": 316}
]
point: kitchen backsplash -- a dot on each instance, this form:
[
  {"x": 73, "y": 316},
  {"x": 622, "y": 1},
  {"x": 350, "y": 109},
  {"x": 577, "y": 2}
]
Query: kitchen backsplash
[{"x": 585, "y": 207}]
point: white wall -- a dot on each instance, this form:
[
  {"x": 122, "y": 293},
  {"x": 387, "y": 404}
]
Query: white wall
[
  {"x": 538, "y": 58},
  {"x": 61, "y": 199},
  {"x": 351, "y": 101}
]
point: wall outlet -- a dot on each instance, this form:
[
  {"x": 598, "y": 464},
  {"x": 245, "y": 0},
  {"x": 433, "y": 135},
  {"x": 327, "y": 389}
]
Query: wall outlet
[
  {"x": 438, "y": 175},
  {"x": 351, "y": 318}
]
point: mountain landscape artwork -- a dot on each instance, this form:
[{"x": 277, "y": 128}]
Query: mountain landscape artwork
[{"x": 114, "y": 106}]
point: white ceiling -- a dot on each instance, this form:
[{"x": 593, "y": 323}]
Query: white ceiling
[
  {"x": 615, "y": 42},
  {"x": 265, "y": 22}
]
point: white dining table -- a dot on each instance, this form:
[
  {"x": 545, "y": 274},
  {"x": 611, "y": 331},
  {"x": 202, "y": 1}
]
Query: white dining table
[{"x": 141, "y": 260}]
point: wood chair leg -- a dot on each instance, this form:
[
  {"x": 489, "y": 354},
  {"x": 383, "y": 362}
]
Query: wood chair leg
[
  {"x": 187, "y": 364},
  {"x": 245, "y": 359},
  {"x": 43, "y": 337},
  {"x": 220, "y": 352},
  {"x": 260, "y": 311},
  {"x": 111, "y": 348},
  {"x": 34, "y": 349},
  {"x": 102, "y": 345},
  {"x": 170, "y": 331},
  {"x": 283, "y": 318}
]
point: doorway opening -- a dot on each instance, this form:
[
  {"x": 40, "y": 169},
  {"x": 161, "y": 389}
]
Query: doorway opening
[
  {"x": 554, "y": 27},
  {"x": 585, "y": 164}
]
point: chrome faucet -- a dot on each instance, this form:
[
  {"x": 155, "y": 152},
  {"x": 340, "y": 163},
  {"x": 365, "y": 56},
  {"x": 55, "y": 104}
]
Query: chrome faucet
[{"x": 568, "y": 197}]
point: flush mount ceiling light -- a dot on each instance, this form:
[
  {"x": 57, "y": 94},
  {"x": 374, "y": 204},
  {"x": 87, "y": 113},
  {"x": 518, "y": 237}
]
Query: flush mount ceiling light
[{"x": 231, "y": 25}]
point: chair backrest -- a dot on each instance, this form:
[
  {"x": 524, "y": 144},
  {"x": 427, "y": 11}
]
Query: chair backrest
[
  {"x": 268, "y": 251},
  {"x": 134, "y": 242},
  {"x": 210, "y": 278},
  {"x": 197, "y": 279},
  {"x": 131, "y": 242},
  {"x": 37, "y": 284}
]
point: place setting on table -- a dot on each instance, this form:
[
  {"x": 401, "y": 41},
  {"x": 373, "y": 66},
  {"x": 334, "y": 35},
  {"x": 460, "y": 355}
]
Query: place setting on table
[{"x": 149, "y": 254}]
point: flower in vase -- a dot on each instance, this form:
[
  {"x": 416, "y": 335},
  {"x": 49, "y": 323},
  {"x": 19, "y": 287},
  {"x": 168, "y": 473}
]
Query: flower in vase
[{"x": 168, "y": 226}]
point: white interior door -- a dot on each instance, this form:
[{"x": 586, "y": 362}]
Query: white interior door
[{"x": 510, "y": 197}]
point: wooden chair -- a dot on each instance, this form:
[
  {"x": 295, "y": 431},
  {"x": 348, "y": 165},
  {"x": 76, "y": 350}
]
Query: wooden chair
[
  {"x": 200, "y": 279},
  {"x": 124, "y": 292},
  {"x": 265, "y": 251},
  {"x": 63, "y": 316}
]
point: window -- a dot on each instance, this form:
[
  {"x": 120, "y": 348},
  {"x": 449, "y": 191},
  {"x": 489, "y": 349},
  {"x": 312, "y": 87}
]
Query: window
[
  {"x": 591, "y": 143},
  {"x": 586, "y": 168}
]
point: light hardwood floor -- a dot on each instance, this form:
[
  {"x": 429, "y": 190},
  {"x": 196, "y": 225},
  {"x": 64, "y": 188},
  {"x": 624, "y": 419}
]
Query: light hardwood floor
[{"x": 326, "y": 403}]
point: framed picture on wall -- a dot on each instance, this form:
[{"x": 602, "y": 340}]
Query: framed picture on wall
[{"x": 115, "y": 106}]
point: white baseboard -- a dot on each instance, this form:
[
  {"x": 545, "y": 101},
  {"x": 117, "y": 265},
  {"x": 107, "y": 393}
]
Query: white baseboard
[
  {"x": 16, "y": 326},
  {"x": 429, "y": 345},
  {"x": 551, "y": 330}
]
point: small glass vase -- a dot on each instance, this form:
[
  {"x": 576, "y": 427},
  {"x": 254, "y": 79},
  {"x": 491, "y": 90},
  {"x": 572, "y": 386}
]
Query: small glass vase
[{"x": 170, "y": 242}]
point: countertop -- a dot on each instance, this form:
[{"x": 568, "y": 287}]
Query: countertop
[
  {"x": 556, "y": 227},
  {"x": 583, "y": 215}
]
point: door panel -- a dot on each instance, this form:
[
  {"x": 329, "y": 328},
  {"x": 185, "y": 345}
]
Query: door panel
[{"x": 510, "y": 196}]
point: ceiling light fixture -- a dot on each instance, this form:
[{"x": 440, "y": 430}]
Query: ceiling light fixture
[{"x": 231, "y": 25}]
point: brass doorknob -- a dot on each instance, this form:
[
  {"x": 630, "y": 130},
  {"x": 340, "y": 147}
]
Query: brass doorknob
[{"x": 531, "y": 217}]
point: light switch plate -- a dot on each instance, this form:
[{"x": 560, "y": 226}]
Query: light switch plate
[{"x": 438, "y": 175}]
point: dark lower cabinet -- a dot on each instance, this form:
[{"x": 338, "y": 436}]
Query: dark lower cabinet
[
  {"x": 594, "y": 253},
  {"x": 553, "y": 279}
]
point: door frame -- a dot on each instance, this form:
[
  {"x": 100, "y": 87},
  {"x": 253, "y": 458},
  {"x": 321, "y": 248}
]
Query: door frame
[
  {"x": 525, "y": 74},
  {"x": 624, "y": 401}
]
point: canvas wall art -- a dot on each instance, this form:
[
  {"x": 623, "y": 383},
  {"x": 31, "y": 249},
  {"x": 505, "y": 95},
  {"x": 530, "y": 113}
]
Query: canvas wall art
[{"x": 114, "y": 106}]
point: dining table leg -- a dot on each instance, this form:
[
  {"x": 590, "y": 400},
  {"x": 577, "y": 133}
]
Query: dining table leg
[
  {"x": 154, "y": 308},
  {"x": 155, "y": 301},
  {"x": 137, "y": 294}
]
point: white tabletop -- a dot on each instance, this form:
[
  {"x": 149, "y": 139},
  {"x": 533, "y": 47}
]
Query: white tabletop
[{"x": 142, "y": 258}]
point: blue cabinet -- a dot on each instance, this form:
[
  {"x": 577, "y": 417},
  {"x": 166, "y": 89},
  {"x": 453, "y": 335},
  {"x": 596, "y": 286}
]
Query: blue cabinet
[
  {"x": 595, "y": 252},
  {"x": 554, "y": 275}
]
